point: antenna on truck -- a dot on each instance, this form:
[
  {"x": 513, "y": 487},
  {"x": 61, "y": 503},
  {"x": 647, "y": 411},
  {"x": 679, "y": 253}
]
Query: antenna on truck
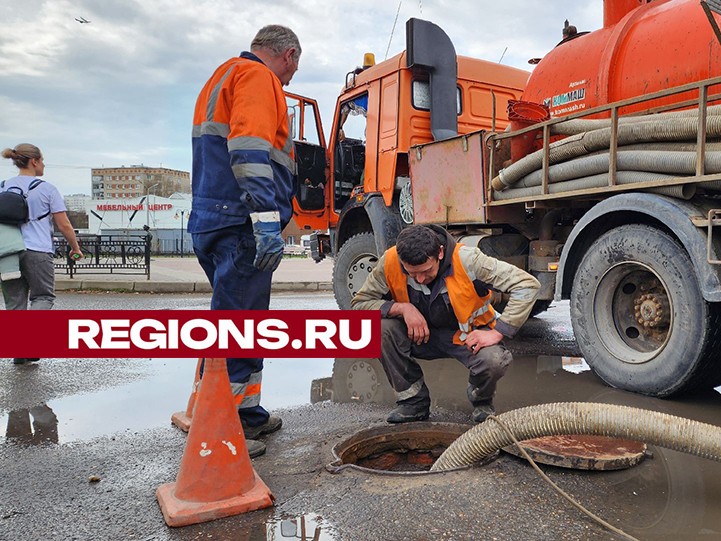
[
  {"x": 504, "y": 54},
  {"x": 393, "y": 29}
]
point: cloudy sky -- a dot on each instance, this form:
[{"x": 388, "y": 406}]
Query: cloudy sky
[{"x": 121, "y": 89}]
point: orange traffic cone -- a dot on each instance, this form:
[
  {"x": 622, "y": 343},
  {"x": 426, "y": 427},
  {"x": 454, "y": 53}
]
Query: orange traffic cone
[
  {"x": 216, "y": 478},
  {"x": 182, "y": 419}
]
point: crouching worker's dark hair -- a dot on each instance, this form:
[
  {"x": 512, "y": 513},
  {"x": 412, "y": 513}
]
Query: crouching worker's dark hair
[{"x": 416, "y": 243}]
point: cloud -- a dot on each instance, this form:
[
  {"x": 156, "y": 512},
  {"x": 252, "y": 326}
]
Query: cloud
[{"x": 121, "y": 90}]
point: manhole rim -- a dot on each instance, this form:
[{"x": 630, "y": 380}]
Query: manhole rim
[{"x": 337, "y": 465}]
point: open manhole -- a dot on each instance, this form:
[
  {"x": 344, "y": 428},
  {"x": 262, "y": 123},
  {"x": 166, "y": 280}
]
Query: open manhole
[
  {"x": 408, "y": 448},
  {"x": 583, "y": 452}
]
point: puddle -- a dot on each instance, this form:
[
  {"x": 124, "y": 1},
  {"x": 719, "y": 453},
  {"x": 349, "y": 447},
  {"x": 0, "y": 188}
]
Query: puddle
[{"x": 148, "y": 402}]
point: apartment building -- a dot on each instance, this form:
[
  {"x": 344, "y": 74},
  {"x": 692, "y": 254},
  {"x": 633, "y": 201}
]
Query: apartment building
[{"x": 136, "y": 181}]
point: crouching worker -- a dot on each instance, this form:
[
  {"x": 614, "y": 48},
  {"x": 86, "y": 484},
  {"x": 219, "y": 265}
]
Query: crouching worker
[{"x": 434, "y": 297}]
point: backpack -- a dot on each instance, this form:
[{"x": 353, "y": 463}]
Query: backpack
[{"x": 14, "y": 204}]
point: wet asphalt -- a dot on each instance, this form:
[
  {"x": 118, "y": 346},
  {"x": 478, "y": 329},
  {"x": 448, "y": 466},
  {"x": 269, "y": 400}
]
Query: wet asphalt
[{"x": 65, "y": 421}]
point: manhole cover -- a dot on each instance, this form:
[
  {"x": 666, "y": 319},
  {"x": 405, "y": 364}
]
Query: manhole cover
[
  {"x": 582, "y": 452},
  {"x": 409, "y": 448}
]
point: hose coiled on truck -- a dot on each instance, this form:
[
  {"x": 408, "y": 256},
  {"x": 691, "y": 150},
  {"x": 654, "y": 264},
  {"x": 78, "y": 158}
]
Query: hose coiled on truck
[
  {"x": 657, "y": 130},
  {"x": 655, "y": 161},
  {"x": 580, "y": 125},
  {"x": 663, "y": 430},
  {"x": 679, "y": 191}
]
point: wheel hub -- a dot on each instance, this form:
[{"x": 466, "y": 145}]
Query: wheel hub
[
  {"x": 633, "y": 312},
  {"x": 359, "y": 271},
  {"x": 405, "y": 203},
  {"x": 651, "y": 310},
  {"x": 362, "y": 381}
]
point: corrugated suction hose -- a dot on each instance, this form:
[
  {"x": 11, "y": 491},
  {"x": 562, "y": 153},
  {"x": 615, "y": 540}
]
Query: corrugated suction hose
[
  {"x": 676, "y": 433},
  {"x": 681, "y": 191},
  {"x": 651, "y": 131}
]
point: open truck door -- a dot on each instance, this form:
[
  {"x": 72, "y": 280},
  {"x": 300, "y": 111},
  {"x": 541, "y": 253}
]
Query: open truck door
[{"x": 311, "y": 203}]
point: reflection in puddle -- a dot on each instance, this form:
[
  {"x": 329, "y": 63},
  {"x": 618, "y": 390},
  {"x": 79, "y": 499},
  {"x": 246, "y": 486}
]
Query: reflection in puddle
[
  {"x": 303, "y": 528},
  {"x": 575, "y": 365},
  {"x": 33, "y": 426}
]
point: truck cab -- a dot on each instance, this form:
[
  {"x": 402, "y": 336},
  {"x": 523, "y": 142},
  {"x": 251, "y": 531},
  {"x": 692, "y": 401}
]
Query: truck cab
[{"x": 355, "y": 195}]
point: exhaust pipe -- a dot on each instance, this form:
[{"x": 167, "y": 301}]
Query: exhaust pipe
[{"x": 430, "y": 48}]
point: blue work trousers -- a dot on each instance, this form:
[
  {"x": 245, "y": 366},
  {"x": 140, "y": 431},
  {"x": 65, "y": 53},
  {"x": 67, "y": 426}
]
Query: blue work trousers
[{"x": 226, "y": 256}]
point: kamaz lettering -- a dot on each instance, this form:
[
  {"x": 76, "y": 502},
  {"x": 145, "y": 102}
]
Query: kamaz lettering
[{"x": 568, "y": 97}]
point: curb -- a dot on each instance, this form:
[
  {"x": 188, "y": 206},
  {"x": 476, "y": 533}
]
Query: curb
[{"x": 125, "y": 286}]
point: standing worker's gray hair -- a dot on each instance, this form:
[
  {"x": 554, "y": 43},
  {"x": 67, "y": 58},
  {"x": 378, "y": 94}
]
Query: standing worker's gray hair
[{"x": 276, "y": 38}]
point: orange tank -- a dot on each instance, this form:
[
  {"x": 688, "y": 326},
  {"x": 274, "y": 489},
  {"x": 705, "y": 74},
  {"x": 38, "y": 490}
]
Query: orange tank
[{"x": 641, "y": 49}]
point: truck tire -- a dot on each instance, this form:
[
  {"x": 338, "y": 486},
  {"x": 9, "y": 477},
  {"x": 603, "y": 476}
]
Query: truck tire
[
  {"x": 355, "y": 261},
  {"x": 639, "y": 317}
]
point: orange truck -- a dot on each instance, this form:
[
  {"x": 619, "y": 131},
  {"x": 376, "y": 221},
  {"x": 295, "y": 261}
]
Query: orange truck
[
  {"x": 599, "y": 173},
  {"x": 356, "y": 195}
]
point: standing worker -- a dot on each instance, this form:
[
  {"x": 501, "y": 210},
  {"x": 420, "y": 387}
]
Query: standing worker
[
  {"x": 434, "y": 296},
  {"x": 243, "y": 184},
  {"x": 45, "y": 206}
]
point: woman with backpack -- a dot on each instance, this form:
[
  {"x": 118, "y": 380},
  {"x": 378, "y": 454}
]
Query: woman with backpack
[{"x": 45, "y": 206}]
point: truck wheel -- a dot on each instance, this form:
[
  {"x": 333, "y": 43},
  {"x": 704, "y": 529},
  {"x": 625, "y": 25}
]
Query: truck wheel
[
  {"x": 639, "y": 317},
  {"x": 355, "y": 261},
  {"x": 361, "y": 381}
]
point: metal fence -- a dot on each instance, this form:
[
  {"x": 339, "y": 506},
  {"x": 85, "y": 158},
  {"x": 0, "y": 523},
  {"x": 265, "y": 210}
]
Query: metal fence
[{"x": 127, "y": 254}]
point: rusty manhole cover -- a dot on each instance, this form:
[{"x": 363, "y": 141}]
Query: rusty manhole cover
[
  {"x": 409, "y": 448},
  {"x": 582, "y": 452}
]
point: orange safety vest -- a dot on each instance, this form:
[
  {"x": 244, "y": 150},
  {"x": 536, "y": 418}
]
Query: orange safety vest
[{"x": 470, "y": 309}]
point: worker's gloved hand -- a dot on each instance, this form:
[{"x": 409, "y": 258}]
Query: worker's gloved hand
[{"x": 268, "y": 242}]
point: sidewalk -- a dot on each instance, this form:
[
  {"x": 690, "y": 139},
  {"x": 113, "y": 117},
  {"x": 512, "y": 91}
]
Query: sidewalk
[{"x": 184, "y": 275}]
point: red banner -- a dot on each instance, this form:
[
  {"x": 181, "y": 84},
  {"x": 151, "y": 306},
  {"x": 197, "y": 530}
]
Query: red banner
[{"x": 182, "y": 333}]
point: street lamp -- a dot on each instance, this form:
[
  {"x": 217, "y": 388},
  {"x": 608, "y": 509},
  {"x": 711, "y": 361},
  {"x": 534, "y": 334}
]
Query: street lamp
[
  {"x": 182, "y": 213},
  {"x": 147, "y": 202}
]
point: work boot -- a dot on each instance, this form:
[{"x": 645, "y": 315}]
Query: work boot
[
  {"x": 24, "y": 360},
  {"x": 255, "y": 448},
  {"x": 482, "y": 411},
  {"x": 473, "y": 393},
  {"x": 406, "y": 413},
  {"x": 271, "y": 425}
]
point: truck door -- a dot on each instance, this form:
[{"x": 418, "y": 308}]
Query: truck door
[{"x": 310, "y": 204}]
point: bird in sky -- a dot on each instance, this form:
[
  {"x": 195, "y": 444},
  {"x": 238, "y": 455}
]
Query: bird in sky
[{"x": 82, "y": 20}]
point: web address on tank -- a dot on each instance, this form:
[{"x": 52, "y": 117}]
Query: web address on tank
[{"x": 180, "y": 333}]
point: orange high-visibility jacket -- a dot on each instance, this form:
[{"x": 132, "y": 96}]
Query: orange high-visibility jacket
[
  {"x": 471, "y": 310},
  {"x": 243, "y": 157}
]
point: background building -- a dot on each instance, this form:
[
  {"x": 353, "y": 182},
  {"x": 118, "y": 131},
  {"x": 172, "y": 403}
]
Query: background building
[
  {"x": 137, "y": 181},
  {"x": 166, "y": 218},
  {"x": 76, "y": 202}
]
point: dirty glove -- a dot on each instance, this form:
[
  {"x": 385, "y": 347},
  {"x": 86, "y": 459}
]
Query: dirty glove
[{"x": 268, "y": 242}]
